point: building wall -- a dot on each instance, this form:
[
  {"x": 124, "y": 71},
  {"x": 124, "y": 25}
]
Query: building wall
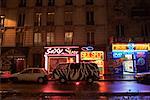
[
  {"x": 79, "y": 26},
  {"x": 123, "y": 12}
]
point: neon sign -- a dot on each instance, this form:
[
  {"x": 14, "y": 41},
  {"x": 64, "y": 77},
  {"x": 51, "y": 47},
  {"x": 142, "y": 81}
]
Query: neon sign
[
  {"x": 130, "y": 46},
  {"x": 61, "y": 51},
  {"x": 93, "y": 55},
  {"x": 89, "y": 48}
]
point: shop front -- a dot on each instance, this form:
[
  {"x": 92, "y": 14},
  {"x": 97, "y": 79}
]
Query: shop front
[
  {"x": 55, "y": 55},
  {"x": 130, "y": 58},
  {"x": 13, "y": 59},
  {"x": 88, "y": 54}
]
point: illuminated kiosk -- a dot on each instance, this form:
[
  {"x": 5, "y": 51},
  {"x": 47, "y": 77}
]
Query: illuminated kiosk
[
  {"x": 88, "y": 54},
  {"x": 130, "y": 57},
  {"x": 60, "y": 54}
]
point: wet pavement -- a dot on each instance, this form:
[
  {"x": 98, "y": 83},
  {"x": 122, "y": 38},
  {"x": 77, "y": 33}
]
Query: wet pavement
[{"x": 106, "y": 90}]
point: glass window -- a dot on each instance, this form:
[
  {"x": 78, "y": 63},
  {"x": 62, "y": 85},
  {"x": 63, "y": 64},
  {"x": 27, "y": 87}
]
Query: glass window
[
  {"x": 36, "y": 71},
  {"x": 50, "y": 18},
  {"x": 68, "y": 18},
  {"x": 37, "y": 60},
  {"x": 90, "y": 38},
  {"x": 89, "y": 2},
  {"x": 90, "y": 18},
  {"x": 120, "y": 30},
  {"x": 22, "y": 3},
  {"x": 37, "y": 38},
  {"x": 1, "y": 38},
  {"x": 21, "y": 19},
  {"x": 51, "y": 2},
  {"x": 2, "y": 19},
  {"x": 68, "y": 2},
  {"x": 50, "y": 38},
  {"x": 38, "y": 2},
  {"x": 19, "y": 39},
  {"x": 38, "y": 17},
  {"x": 27, "y": 71},
  {"x": 2, "y": 3},
  {"x": 68, "y": 37},
  {"x": 145, "y": 30}
]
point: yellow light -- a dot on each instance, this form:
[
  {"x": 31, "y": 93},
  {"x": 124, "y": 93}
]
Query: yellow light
[{"x": 92, "y": 55}]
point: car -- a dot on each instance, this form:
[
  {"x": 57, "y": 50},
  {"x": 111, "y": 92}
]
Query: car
[
  {"x": 39, "y": 75},
  {"x": 143, "y": 77},
  {"x": 76, "y": 72},
  {"x": 4, "y": 75}
]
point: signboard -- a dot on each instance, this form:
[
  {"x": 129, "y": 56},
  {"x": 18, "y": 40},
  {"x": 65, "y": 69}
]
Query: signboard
[
  {"x": 92, "y": 55},
  {"x": 130, "y": 46},
  {"x": 62, "y": 51}
]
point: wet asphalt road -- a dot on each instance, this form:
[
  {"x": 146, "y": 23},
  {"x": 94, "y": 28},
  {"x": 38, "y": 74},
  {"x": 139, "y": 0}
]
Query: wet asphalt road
[
  {"x": 52, "y": 86},
  {"x": 106, "y": 90}
]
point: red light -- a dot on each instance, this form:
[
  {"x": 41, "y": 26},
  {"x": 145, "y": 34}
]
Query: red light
[{"x": 77, "y": 83}]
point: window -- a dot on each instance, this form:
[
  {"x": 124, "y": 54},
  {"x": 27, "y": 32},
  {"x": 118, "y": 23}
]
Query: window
[
  {"x": 2, "y": 3},
  {"x": 90, "y": 38},
  {"x": 39, "y": 3},
  {"x": 51, "y": 2},
  {"x": 50, "y": 18},
  {"x": 90, "y": 18},
  {"x": 36, "y": 71},
  {"x": 145, "y": 30},
  {"x": 22, "y": 3},
  {"x": 27, "y": 71},
  {"x": 120, "y": 30},
  {"x": 38, "y": 19},
  {"x": 50, "y": 38},
  {"x": 1, "y": 38},
  {"x": 68, "y": 18},
  {"x": 68, "y": 37},
  {"x": 2, "y": 19},
  {"x": 37, "y": 58},
  {"x": 89, "y": 2},
  {"x": 68, "y": 2},
  {"x": 19, "y": 39},
  {"x": 37, "y": 38},
  {"x": 21, "y": 19}
]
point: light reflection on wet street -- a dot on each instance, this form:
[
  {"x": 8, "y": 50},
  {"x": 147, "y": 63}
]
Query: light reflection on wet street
[{"x": 117, "y": 86}]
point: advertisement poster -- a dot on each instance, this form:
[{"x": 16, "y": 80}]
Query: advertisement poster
[{"x": 128, "y": 66}]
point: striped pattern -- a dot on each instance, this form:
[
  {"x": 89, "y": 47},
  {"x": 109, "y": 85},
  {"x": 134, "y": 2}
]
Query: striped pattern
[{"x": 76, "y": 71}]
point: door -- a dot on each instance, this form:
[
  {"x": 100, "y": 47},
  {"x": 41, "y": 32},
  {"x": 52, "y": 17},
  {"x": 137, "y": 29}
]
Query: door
[{"x": 55, "y": 61}]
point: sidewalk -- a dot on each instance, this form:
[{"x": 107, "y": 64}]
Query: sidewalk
[{"x": 118, "y": 78}]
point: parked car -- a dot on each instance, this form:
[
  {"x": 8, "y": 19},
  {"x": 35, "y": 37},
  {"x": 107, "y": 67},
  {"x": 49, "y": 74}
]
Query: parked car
[
  {"x": 39, "y": 75},
  {"x": 4, "y": 75},
  {"x": 76, "y": 72},
  {"x": 143, "y": 77}
]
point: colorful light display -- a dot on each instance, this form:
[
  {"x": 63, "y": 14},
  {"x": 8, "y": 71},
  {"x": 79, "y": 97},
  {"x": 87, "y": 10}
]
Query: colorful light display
[
  {"x": 92, "y": 55},
  {"x": 130, "y": 46}
]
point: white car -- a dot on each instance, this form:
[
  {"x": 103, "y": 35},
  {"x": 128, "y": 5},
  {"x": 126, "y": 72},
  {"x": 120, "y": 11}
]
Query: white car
[{"x": 31, "y": 74}]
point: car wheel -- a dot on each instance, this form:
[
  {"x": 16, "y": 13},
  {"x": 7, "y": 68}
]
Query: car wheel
[
  {"x": 90, "y": 80},
  {"x": 14, "y": 79},
  {"x": 41, "y": 80},
  {"x": 62, "y": 80}
]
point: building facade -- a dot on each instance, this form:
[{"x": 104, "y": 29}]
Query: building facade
[
  {"x": 27, "y": 27},
  {"x": 129, "y": 36}
]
